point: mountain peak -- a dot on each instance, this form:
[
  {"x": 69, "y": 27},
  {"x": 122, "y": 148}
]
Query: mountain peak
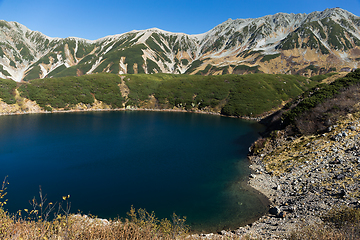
[{"x": 304, "y": 44}]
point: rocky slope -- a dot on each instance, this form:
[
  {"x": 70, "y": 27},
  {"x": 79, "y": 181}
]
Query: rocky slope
[
  {"x": 305, "y": 44},
  {"x": 324, "y": 176}
]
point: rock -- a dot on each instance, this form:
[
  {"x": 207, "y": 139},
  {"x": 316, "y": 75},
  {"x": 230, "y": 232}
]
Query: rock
[
  {"x": 292, "y": 209},
  {"x": 342, "y": 193},
  {"x": 353, "y": 128},
  {"x": 313, "y": 186},
  {"x": 290, "y": 138},
  {"x": 278, "y": 188},
  {"x": 282, "y": 215},
  {"x": 340, "y": 177},
  {"x": 336, "y": 161},
  {"x": 274, "y": 211}
]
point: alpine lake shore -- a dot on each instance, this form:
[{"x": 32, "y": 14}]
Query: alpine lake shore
[
  {"x": 318, "y": 182},
  {"x": 323, "y": 175}
]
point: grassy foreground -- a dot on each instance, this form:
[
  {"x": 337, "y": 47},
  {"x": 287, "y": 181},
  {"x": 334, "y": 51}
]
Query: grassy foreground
[
  {"x": 82, "y": 227},
  {"x": 46, "y": 220}
]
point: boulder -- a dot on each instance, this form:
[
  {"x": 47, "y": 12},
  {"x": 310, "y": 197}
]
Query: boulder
[
  {"x": 340, "y": 177},
  {"x": 292, "y": 209},
  {"x": 282, "y": 215},
  {"x": 342, "y": 193},
  {"x": 274, "y": 211}
]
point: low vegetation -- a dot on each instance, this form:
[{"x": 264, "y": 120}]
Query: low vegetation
[
  {"x": 67, "y": 92},
  {"x": 83, "y": 227},
  {"x": 320, "y": 107},
  {"x": 326, "y": 232},
  {"x": 7, "y": 91},
  {"x": 233, "y": 95},
  {"x": 321, "y": 77}
]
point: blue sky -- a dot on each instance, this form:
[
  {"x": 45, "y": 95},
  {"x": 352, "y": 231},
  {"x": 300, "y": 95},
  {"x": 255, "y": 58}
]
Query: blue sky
[{"x": 93, "y": 19}]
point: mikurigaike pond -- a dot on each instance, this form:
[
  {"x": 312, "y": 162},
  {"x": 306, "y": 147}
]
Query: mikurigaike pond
[{"x": 191, "y": 164}]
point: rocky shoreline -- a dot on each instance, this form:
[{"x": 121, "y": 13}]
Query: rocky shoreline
[
  {"x": 26, "y": 106},
  {"x": 304, "y": 178}
]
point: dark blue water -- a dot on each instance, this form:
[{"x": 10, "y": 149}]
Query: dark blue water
[{"x": 190, "y": 164}]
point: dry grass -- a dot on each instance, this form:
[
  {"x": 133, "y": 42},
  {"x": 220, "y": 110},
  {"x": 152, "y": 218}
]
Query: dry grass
[
  {"x": 85, "y": 227},
  {"x": 287, "y": 155},
  {"x": 326, "y": 233},
  {"x": 319, "y": 118},
  {"x": 339, "y": 223},
  {"x": 48, "y": 221}
]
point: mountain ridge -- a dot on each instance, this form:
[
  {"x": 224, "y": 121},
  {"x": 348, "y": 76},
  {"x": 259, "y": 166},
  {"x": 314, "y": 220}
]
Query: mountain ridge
[{"x": 305, "y": 44}]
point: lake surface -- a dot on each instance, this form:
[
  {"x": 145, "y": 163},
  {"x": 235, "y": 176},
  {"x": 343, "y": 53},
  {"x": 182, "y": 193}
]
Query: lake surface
[{"x": 191, "y": 164}]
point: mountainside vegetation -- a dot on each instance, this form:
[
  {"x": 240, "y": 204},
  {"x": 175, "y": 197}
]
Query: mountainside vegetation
[
  {"x": 233, "y": 95},
  {"x": 322, "y": 106},
  {"x": 67, "y": 92},
  {"x": 7, "y": 91}
]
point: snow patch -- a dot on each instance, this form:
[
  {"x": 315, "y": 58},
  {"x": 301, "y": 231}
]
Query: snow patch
[
  {"x": 144, "y": 37},
  {"x": 75, "y": 50},
  {"x": 123, "y": 66},
  {"x": 344, "y": 56},
  {"x": 43, "y": 71},
  {"x": 96, "y": 64},
  {"x": 108, "y": 49},
  {"x": 18, "y": 74}
]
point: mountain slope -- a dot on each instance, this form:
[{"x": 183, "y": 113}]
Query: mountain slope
[
  {"x": 236, "y": 95},
  {"x": 305, "y": 44}
]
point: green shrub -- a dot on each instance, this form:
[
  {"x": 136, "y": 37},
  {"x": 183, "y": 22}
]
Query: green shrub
[
  {"x": 319, "y": 94},
  {"x": 7, "y": 90},
  {"x": 267, "y": 58},
  {"x": 319, "y": 78},
  {"x": 312, "y": 68},
  {"x": 236, "y": 95},
  {"x": 195, "y": 64},
  {"x": 34, "y": 73},
  {"x": 69, "y": 91}
]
